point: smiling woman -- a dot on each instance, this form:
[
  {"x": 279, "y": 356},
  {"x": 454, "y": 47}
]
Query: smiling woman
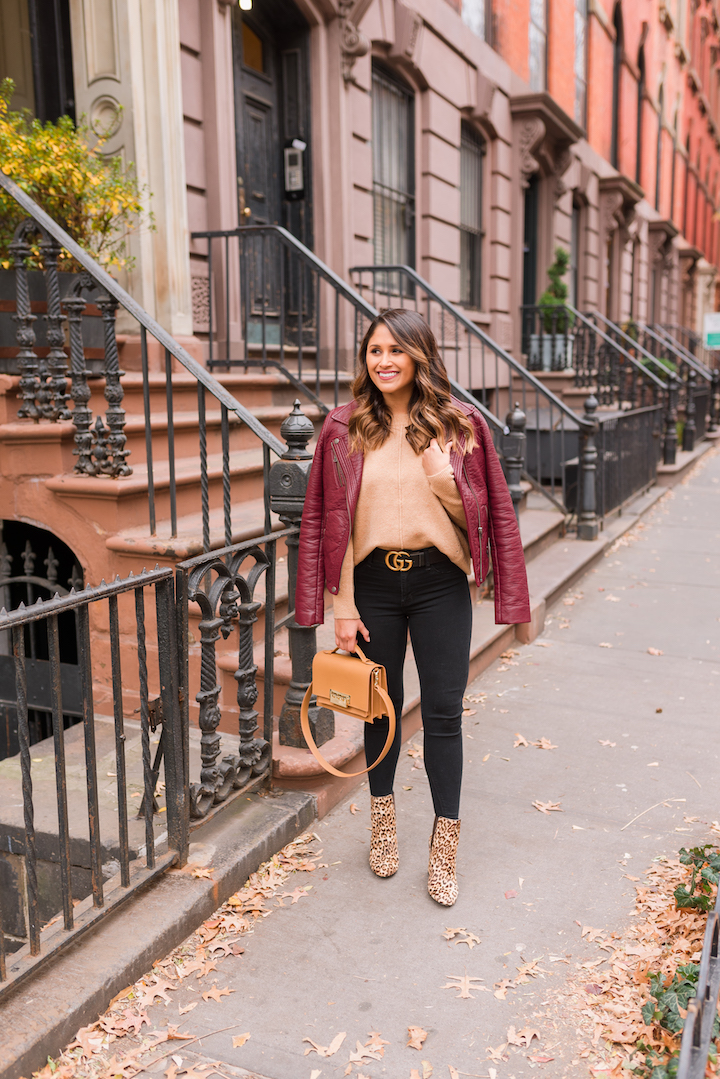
[{"x": 405, "y": 492}]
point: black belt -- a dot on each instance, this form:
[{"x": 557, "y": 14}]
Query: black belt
[{"x": 402, "y": 561}]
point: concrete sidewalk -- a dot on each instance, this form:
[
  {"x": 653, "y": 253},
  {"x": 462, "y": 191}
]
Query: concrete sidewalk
[{"x": 361, "y": 954}]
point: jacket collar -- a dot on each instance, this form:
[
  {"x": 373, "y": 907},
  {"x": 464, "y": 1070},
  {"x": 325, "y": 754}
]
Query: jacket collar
[{"x": 343, "y": 413}]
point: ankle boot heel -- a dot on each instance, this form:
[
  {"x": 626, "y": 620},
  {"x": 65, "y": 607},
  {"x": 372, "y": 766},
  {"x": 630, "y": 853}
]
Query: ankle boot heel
[{"x": 442, "y": 876}]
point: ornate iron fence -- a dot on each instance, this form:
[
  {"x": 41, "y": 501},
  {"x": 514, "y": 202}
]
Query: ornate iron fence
[
  {"x": 121, "y": 857},
  {"x": 702, "y": 1010}
]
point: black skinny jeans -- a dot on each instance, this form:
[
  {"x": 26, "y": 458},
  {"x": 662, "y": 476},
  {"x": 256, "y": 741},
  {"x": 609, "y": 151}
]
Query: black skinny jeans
[{"x": 433, "y": 602}]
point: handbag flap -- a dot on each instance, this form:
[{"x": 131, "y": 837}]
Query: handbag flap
[{"x": 343, "y": 681}]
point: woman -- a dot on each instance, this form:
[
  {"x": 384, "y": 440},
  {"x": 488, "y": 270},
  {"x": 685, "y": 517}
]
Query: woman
[{"x": 405, "y": 490}]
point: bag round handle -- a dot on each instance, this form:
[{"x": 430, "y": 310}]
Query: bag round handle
[{"x": 305, "y": 725}]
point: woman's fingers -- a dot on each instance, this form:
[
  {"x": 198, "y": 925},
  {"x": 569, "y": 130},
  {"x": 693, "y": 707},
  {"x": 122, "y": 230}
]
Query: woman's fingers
[{"x": 362, "y": 630}]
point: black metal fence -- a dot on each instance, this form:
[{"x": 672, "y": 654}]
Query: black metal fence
[
  {"x": 629, "y": 447},
  {"x": 702, "y": 1010},
  {"x": 273, "y": 304},
  {"x": 78, "y": 845}
]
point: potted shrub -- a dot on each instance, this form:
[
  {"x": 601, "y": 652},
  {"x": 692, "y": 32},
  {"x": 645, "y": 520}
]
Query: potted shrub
[
  {"x": 551, "y": 350},
  {"x": 96, "y": 199}
]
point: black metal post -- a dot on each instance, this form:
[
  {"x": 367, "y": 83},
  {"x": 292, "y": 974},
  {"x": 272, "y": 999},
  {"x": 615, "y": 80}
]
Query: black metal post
[
  {"x": 288, "y": 484},
  {"x": 714, "y": 403},
  {"x": 670, "y": 438},
  {"x": 514, "y": 454},
  {"x": 588, "y": 525},
  {"x": 690, "y": 429}
]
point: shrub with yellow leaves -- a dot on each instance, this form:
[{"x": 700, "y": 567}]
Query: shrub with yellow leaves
[{"x": 95, "y": 197}]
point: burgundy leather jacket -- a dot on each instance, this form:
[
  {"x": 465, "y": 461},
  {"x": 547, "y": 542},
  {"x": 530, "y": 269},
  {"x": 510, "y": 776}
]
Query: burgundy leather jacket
[{"x": 329, "y": 512}]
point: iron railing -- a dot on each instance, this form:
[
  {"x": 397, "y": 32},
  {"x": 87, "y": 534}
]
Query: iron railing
[
  {"x": 211, "y": 465},
  {"x": 225, "y": 585},
  {"x": 628, "y": 446},
  {"x": 703, "y": 1008},
  {"x": 691, "y": 342},
  {"x": 272, "y": 303},
  {"x": 32, "y": 934},
  {"x": 487, "y": 376}
]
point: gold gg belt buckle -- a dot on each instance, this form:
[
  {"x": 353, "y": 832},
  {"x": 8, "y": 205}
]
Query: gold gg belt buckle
[{"x": 398, "y": 560}]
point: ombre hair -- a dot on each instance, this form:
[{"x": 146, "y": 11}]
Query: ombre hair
[{"x": 432, "y": 412}]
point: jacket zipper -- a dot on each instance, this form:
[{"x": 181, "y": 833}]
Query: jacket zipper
[{"x": 477, "y": 504}]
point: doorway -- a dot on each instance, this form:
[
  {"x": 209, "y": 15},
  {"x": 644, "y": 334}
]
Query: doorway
[
  {"x": 272, "y": 123},
  {"x": 36, "y": 565}
]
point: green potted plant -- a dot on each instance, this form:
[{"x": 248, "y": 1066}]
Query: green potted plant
[
  {"x": 551, "y": 350},
  {"x": 96, "y": 198}
]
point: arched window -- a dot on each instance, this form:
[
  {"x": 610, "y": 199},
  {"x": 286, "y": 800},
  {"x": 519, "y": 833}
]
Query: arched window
[
  {"x": 472, "y": 153},
  {"x": 617, "y": 74},
  {"x": 393, "y": 169},
  {"x": 640, "y": 108}
]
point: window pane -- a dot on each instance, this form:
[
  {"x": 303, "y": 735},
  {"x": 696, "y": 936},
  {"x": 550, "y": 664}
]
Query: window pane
[
  {"x": 473, "y": 14},
  {"x": 537, "y": 57},
  {"x": 471, "y": 166},
  {"x": 393, "y": 197}
]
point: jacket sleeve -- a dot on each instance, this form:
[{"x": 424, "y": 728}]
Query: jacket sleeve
[
  {"x": 310, "y": 586},
  {"x": 512, "y": 602}
]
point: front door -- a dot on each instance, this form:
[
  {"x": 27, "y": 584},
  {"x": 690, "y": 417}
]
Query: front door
[{"x": 273, "y": 161}]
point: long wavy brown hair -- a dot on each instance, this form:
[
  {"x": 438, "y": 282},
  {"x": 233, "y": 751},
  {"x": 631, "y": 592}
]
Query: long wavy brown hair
[{"x": 432, "y": 412}]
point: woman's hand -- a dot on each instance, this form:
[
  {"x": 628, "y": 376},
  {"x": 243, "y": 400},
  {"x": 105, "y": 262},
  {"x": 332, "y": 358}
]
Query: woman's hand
[
  {"x": 346, "y": 631},
  {"x": 435, "y": 458}
]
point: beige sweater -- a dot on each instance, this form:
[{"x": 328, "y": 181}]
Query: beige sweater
[{"x": 400, "y": 508}]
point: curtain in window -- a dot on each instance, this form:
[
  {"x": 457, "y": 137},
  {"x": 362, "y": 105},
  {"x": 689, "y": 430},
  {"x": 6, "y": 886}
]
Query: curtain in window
[{"x": 537, "y": 52}]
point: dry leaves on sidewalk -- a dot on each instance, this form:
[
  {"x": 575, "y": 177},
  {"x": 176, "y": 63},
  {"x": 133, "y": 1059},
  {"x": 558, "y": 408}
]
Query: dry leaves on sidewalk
[
  {"x": 416, "y": 1037},
  {"x": 467, "y": 937},
  {"x": 239, "y": 1040},
  {"x": 326, "y": 1050},
  {"x": 465, "y": 985},
  {"x": 522, "y": 1037},
  {"x": 548, "y": 807},
  {"x": 655, "y": 652}
]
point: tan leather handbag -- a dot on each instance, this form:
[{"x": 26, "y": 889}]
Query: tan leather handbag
[{"x": 354, "y": 686}]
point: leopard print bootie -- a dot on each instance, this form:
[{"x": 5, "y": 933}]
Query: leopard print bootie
[
  {"x": 383, "y": 836},
  {"x": 442, "y": 880}
]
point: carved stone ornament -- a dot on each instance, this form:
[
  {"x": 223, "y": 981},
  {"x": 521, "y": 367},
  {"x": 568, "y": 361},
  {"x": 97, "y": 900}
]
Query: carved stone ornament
[
  {"x": 562, "y": 164},
  {"x": 353, "y": 42},
  {"x": 532, "y": 134},
  {"x": 611, "y": 204}
]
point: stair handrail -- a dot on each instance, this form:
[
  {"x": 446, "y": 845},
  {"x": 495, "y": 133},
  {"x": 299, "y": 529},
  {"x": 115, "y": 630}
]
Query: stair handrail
[
  {"x": 635, "y": 344},
  {"x": 696, "y": 338},
  {"x": 623, "y": 352},
  {"x": 111, "y": 286},
  {"x": 287, "y": 238},
  {"x": 666, "y": 339},
  {"x": 469, "y": 325}
]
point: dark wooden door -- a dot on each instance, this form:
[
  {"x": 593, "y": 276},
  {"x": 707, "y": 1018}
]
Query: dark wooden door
[{"x": 272, "y": 111}]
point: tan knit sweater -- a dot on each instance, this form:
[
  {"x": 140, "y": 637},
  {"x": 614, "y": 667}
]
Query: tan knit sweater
[{"x": 400, "y": 508}]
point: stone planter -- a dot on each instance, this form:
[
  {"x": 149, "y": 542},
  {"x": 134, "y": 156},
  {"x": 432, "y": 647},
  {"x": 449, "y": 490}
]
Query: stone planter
[
  {"x": 92, "y": 322},
  {"x": 550, "y": 352}
]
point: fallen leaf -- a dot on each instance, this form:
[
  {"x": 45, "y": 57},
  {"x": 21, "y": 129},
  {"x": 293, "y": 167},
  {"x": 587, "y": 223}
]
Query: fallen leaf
[
  {"x": 548, "y": 807},
  {"x": 326, "y": 1050},
  {"x": 469, "y": 711},
  {"x": 521, "y": 740},
  {"x": 612, "y": 599},
  {"x": 239, "y": 1040},
  {"x": 522, "y": 1037},
  {"x": 454, "y": 1073},
  {"x": 604, "y": 742},
  {"x": 365, "y": 1053},
  {"x": 511, "y": 894},
  {"x": 315, "y": 1073},
  {"x": 543, "y": 644},
  {"x": 415, "y": 751},
  {"x": 537, "y": 1059},
  {"x": 463, "y": 984},
  {"x": 450, "y": 932},
  {"x": 354, "y": 809},
  {"x": 654, "y": 764},
  {"x": 427, "y": 1069},
  {"x": 655, "y": 652},
  {"x": 215, "y": 993},
  {"x": 544, "y": 743},
  {"x": 376, "y": 1042},
  {"x": 416, "y": 1037},
  {"x": 470, "y": 939},
  {"x": 605, "y": 644},
  {"x": 496, "y": 1054},
  {"x": 299, "y": 893},
  {"x": 503, "y": 711},
  {"x": 188, "y": 1007}
]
